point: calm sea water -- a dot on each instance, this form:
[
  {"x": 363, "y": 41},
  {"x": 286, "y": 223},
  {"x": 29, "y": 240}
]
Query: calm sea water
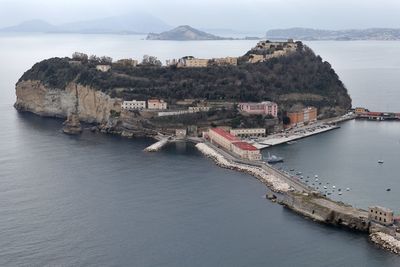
[{"x": 98, "y": 200}]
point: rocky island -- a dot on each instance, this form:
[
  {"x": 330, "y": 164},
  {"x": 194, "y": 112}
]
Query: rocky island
[
  {"x": 184, "y": 33},
  {"x": 199, "y": 92}
]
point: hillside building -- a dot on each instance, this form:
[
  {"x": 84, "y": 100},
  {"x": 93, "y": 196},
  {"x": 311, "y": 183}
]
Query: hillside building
[
  {"x": 254, "y": 58},
  {"x": 248, "y": 132},
  {"x": 303, "y": 116},
  {"x": 263, "y": 108},
  {"x": 192, "y": 62},
  {"x": 127, "y": 62},
  {"x": 225, "y": 61},
  {"x": 133, "y": 105},
  {"x": 156, "y": 104}
]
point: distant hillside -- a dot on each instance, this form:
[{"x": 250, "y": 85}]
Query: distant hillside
[
  {"x": 127, "y": 24},
  {"x": 31, "y": 26},
  {"x": 183, "y": 33},
  {"x": 316, "y": 34}
]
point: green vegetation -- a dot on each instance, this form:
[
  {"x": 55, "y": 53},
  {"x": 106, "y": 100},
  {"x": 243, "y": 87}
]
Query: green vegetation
[{"x": 301, "y": 73}]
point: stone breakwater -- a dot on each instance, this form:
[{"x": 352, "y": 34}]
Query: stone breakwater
[
  {"x": 272, "y": 182},
  {"x": 386, "y": 241}
]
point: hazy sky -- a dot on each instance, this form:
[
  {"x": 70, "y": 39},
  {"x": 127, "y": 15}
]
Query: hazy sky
[{"x": 259, "y": 15}]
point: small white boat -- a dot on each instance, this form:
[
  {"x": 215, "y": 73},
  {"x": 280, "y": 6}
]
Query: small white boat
[
  {"x": 380, "y": 161},
  {"x": 347, "y": 189},
  {"x": 333, "y": 186},
  {"x": 325, "y": 187},
  {"x": 316, "y": 176},
  {"x": 340, "y": 193},
  {"x": 316, "y": 179}
]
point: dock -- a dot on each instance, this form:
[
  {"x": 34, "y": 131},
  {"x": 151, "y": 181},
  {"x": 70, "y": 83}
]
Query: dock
[
  {"x": 162, "y": 141},
  {"x": 300, "y": 133}
]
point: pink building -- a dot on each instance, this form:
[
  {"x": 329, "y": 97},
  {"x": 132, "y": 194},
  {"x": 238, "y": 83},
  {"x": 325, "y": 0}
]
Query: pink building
[{"x": 263, "y": 108}]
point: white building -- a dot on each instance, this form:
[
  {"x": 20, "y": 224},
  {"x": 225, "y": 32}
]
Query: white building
[
  {"x": 103, "y": 68},
  {"x": 156, "y": 104},
  {"x": 133, "y": 105}
]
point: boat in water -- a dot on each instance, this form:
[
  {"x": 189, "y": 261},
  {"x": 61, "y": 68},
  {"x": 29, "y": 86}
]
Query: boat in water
[
  {"x": 274, "y": 159},
  {"x": 291, "y": 142},
  {"x": 380, "y": 161}
]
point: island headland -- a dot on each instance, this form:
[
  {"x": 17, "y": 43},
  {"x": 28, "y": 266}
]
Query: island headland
[{"x": 286, "y": 73}]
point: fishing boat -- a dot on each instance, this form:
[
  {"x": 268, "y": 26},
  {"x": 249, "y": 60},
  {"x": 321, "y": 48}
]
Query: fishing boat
[{"x": 380, "y": 161}]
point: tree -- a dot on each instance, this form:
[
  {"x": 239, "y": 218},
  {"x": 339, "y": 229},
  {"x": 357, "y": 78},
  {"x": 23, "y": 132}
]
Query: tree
[
  {"x": 80, "y": 56},
  {"x": 151, "y": 61}
]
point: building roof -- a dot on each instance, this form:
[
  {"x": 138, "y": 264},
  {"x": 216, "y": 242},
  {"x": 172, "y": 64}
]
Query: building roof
[
  {"x": 245, "y": 146},
  {"x": 224, "y": 134},
  {"x": 381, "y": 208}
]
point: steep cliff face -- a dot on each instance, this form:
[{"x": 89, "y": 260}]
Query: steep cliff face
[{"x": 92, "y": 105}]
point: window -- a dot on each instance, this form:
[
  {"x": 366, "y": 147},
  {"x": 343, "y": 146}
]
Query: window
[{"x": 384, "y": 220}]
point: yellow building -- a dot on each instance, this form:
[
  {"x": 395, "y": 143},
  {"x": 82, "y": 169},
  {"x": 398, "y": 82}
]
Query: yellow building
[
  {"x": 360, "y": 110},
  {"x": 192, "y": 62},
  {"x": 226, "y": 61},
  {"x": 253, "y": 58},
  {"x": 248, "y": 132},
  {"x": 380, "y": 215}
]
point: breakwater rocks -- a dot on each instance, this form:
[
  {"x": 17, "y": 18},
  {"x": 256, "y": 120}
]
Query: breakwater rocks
[
  {"x": 272, "y": 182},
  {"x": 386, "y": 241},
  {"x": 327, "y": 211}
]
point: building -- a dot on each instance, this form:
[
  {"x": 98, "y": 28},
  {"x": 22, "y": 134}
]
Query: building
[
  {"x": 222, "y": 138},
  {"x": 248, "y": 132},
  {"x": 127, "y": 62},
  {"x": 246, "y": 151},
  {"x": 360, "y": 110},
  {"x": 226, "y": 61},
  {"x": 192, "y": 62},
  {"x": 303, "y": 116},
  {"x": 199, "y": 109},
  {"x": 254, "y": 58},
  {"x": 156, "y": 104},
  {"x": 133, "y": 105},
  {"x": 103, "y": 68},
  {"x": 263, "y": 108},
  {"x": 231, "y": 143},
  {"x": 381, "y": 215},
  {"x": 180, "y": 133}
]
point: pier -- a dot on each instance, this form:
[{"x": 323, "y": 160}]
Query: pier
[{"x": 162, "y": 141}]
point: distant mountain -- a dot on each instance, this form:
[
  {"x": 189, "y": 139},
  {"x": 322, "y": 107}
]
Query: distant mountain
[
  {"x": 36, "y": 25},
  {"x": 127, "y": 24},
  {"x": 134, "y": 23},
  {"x": 184, "y": 33},
  {"x": 353, "y": 34}
]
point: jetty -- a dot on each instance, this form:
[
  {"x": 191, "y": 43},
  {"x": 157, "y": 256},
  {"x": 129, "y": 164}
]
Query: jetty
[
  {"x": 162, "y": 141},
  {"x": 306, "y": 201}
]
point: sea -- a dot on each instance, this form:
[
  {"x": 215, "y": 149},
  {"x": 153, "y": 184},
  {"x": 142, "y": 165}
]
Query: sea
[{"x": 99, "y": 200}]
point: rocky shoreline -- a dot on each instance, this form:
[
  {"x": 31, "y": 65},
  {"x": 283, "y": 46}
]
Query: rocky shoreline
[{"x": 386, "y": 242}]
